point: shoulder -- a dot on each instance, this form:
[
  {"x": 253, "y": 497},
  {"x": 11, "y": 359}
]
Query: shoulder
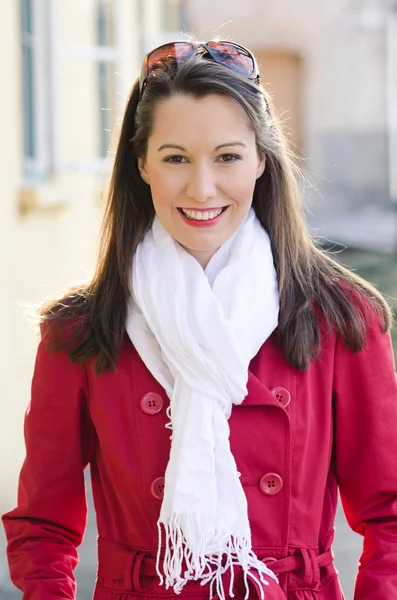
[
  {"x": 361, "y": 310},
  {"x": 61, "y": 323},
  {"x": 371, "y": 356},
  {"x": 62, "y": 319},
  {"x": 55, "y": 373}
]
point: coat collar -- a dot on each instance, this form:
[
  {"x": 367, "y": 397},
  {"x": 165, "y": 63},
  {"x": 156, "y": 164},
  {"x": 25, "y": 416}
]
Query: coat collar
[{"x": 258, "y": 393}]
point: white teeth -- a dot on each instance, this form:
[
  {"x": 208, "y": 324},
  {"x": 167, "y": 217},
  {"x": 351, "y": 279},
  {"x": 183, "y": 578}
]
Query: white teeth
[{"x": 199, "y": 215}]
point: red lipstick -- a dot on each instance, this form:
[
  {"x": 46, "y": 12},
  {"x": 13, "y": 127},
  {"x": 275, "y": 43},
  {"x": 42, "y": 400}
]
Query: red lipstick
[{"x": 202, "y": 223}]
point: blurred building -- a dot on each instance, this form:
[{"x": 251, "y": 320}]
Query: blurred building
[
  {"x": 332, "y": 68},
  {"x": 66, "y": 69}
]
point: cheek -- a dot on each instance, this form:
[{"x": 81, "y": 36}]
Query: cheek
[
  {"x": 165, "y": 186},
  {"x": 241, "y": 183}
]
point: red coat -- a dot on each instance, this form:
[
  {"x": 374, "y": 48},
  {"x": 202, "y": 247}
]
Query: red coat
[{"x": 296, "y": 438}]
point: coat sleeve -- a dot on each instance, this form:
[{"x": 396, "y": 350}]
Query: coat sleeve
[
  {"x": 365, "y": 455},
  {"x": 48, "y": 524}
]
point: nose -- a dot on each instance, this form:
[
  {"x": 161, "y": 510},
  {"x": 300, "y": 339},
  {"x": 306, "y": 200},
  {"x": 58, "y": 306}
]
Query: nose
[{"x": 201, "y": 185}]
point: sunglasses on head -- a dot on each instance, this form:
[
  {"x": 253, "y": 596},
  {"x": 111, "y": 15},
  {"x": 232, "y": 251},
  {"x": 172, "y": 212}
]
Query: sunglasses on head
[{"x": 231, "y": 55}]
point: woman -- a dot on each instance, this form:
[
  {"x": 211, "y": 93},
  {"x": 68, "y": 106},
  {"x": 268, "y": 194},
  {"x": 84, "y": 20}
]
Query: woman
[{"x": 221, "y": 374}]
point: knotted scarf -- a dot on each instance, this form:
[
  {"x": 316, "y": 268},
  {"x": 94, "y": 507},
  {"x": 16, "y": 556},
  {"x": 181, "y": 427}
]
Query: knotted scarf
[{"x": 197, "y": 330}]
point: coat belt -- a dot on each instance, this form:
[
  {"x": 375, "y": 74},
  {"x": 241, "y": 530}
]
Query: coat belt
[{"x": 116, "y": 561}]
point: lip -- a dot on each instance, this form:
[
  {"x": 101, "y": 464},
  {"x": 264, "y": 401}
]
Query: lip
[
  {"x": 202, "y": 209},
  {"x": 200, "y": 224}
]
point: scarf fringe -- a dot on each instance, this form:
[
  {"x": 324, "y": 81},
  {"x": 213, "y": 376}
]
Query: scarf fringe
[{"x": 201, "y": 565}]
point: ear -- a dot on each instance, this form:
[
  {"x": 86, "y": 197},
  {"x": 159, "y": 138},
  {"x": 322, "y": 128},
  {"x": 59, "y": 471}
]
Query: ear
[
  {"x": 142, "y": 170},
  {"x": 261, "y": 165}
]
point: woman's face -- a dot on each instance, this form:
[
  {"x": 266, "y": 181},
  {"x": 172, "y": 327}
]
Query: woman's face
[{"x": 201, "y": 166}]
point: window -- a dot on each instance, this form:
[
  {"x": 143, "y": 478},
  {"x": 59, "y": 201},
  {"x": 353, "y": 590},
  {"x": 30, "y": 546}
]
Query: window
[
  {"x": 35, "y": 69},
  {"x": 71, "y": 54},
  {"x": 107, "y": 83},
  {"x": 28, "y": 96},
  {"x": 88, "y": 81}
]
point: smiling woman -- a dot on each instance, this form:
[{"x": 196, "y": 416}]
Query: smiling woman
[
  {"x": 214, "y": 314},
  {"x": 202, "y": 194}
]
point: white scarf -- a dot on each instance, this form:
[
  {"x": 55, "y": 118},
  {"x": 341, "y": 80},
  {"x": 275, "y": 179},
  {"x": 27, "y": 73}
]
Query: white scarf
[{"x": 197, "y": 331}]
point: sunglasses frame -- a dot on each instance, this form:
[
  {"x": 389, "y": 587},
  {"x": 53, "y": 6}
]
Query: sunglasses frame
[{"x": 145, "y": 71}]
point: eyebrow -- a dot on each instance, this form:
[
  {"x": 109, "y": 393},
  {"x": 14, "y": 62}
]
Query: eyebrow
[{"x": 177, "y": 147}]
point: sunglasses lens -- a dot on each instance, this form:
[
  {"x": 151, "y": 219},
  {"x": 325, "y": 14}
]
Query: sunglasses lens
[
  {"x": 233, "y": 57},
  {"x": 177, "y": 53},
  {"x": 230, "y": 55}
]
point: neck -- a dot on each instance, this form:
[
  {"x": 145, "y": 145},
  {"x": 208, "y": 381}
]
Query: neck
[{"x": 203, "y": 258}]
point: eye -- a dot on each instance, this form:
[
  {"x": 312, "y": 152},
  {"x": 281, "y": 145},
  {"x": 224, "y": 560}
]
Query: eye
[
  {"x": 176, "y": 159},
  {"x": 229, "y": 158}
]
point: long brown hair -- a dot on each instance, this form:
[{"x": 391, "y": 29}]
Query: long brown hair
[{"x": 89, "y": 320}]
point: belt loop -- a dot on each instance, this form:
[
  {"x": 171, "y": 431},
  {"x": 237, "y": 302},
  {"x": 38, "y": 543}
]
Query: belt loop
[
  {"x": 128, "y": 569},
  {"x": 315, "y": 566},
  {"x": 137, "y": 571},
  {"x": 308, "y": 567},
  {"x": 132, "y": 571}
]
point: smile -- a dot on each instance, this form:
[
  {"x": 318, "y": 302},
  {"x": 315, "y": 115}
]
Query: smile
[{"x": 202, "y": 215}]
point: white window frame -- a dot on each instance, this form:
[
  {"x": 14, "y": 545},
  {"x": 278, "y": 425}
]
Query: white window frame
[
  {"x": 107, "y": 54},
  {"x": 48, "y": 53},
  {"x": 40, "y": 166}
]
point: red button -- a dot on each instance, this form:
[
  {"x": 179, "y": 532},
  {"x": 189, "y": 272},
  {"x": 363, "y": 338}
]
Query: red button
[
  {"x": 282, "y": 395},
  {"x": 157, "y": 488},
  {"x": 271, "y": 484},
  {"x": 152, "y": 403}
]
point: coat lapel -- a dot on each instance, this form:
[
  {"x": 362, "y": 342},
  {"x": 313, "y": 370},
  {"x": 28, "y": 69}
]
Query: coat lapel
[{"x": 258, "y": 393}]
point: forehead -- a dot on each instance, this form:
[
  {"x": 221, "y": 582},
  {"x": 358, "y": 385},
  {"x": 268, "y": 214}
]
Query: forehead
[{"x": 213, "y": 119}]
